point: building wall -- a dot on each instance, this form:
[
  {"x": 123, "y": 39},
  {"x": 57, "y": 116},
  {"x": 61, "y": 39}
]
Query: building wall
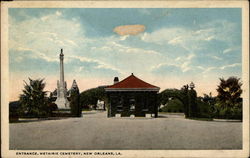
[{"x": 132, "y": 103}]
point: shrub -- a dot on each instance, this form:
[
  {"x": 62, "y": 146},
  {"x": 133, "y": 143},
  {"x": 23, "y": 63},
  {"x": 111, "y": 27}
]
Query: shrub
[
  {"x": 13, "y": 111},
  {"x": 75, "y": 107},
  {"x": 174, "y": 105},
  {"x": 203, "y": 109},
  {"x": 52, "y": 107},
  {"x": 228, "y": 113}
]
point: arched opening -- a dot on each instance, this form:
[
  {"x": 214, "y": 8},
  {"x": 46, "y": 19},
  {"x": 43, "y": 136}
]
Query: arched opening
[{"x": 172, "y": 101}]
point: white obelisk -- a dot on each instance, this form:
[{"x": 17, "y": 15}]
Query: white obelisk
[{"x": 61, "y": 100}]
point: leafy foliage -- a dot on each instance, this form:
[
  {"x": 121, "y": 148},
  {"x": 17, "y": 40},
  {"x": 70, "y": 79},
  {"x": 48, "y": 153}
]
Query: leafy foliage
[
  {"x": 185, "y": 100},
  {"x": 33, "y": 101},
  {"x": 228, "y": 112},
  {"x": 174, "y": 105},
  {"x": 229, "y": 103},
  {"x": 229, "y": 92},
  {"x": 181, "y": 95},
  {"x": 204, "y": 110},
  {"x": 169, "y": 93},
  {"x": 90, "y": 97}
]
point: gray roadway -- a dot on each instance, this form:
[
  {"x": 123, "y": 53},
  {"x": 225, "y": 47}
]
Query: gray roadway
[{"x": 95, "y": 131}]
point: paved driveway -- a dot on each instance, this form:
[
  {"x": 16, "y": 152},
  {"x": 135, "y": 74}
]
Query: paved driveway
[{"x": 95, "y": 131}]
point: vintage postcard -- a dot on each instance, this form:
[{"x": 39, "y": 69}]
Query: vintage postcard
[{"x": 125, "y": 79}]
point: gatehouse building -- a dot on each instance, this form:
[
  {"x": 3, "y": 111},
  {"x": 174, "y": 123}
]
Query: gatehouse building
[{"x": 132, "y": 97}]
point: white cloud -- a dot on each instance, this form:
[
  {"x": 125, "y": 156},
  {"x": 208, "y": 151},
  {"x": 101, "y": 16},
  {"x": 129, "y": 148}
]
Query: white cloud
[
  {"x": 46, "y": 35},
  {"x": 222, "y": 30},
  {"x": 23, "y": 49},
  {"x": 191, "y": 39},
  {"x": 122, "y": 38},
  {"x": 105, "y": 48},
  {"x": 175, "y": 40},
  {"x": 178, "y": 59},
  {"x": 165, "y": 35},
  {"x": 190, "y": 56},
  {"x": 227, "y": 50},
  {"x": 117, "y": 47},
  {"x": 183, "y": 63},
  {"x": 209, "y": 38},
  {"x": 203, "y": 31},
  {"x": 200, "y": 67},
  {"x": 100, "y": 64},
  {"x": 71, "y": 42},
  {"x": 230, "y": 66},
  {"x": 79, "y": 69},
  {"x": 159, "y": 65},
  {"x": 81, "y": 58},
  {"x": 140, "y": 50},
  {"x": 58, "y": 13},
  {"x": 208, "y": 69},
  {"x": 215, "y": 57},
  {"x": 44, "y": 18}
]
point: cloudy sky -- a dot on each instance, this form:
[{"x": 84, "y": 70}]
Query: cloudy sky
[{"x": 165, "y": 47}]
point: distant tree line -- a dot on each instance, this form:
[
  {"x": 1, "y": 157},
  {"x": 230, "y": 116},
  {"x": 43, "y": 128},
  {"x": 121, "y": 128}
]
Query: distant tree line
[{"x": 34, "y": 102}]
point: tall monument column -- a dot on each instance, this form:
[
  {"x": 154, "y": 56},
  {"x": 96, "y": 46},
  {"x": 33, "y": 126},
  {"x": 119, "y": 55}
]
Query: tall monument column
[
  {"x": 61, "y": 67},
  {"x": 61, "y": 100}
]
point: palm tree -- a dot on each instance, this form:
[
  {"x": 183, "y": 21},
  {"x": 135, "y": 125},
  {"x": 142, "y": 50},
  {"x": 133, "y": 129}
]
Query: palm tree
[
  {"x": 33, "y": 100},
  {"x": 229, "y": 92}
]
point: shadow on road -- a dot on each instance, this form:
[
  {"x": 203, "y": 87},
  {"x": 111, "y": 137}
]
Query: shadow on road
[
  {"x": 26, "y": 120},
  {"x": 162, "y": 116}
]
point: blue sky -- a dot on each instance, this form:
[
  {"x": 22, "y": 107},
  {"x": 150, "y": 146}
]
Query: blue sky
[{"x": 163, "y": 46}]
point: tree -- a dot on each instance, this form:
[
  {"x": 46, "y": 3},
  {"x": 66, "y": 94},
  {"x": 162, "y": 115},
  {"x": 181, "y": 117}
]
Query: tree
[
  {"x": 208, "y": 98},
  {"x": 75, "y": 107},
  {"x": 13, "y": 111},
  {"x": 184, "y": 92},
  {"x": 192, "y": 104},
  {"x": 229, "y": 92},
  {"x": 33, "y": 101},
  {"x": 90, "y": 96}
]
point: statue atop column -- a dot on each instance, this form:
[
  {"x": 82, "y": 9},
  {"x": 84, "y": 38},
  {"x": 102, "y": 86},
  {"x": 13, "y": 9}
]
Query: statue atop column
[{"x": 61, "y": 100}]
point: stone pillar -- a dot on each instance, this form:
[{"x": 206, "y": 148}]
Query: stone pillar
[
  {"x": 61, "y": 69},
  {"x": 62, "y": 101}
]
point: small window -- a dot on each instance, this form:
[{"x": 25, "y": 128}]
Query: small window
[
  {"x": 132, "y": 104},
  {"x": 132, "y": 107},
  {"x": 120, "y": 104}
]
